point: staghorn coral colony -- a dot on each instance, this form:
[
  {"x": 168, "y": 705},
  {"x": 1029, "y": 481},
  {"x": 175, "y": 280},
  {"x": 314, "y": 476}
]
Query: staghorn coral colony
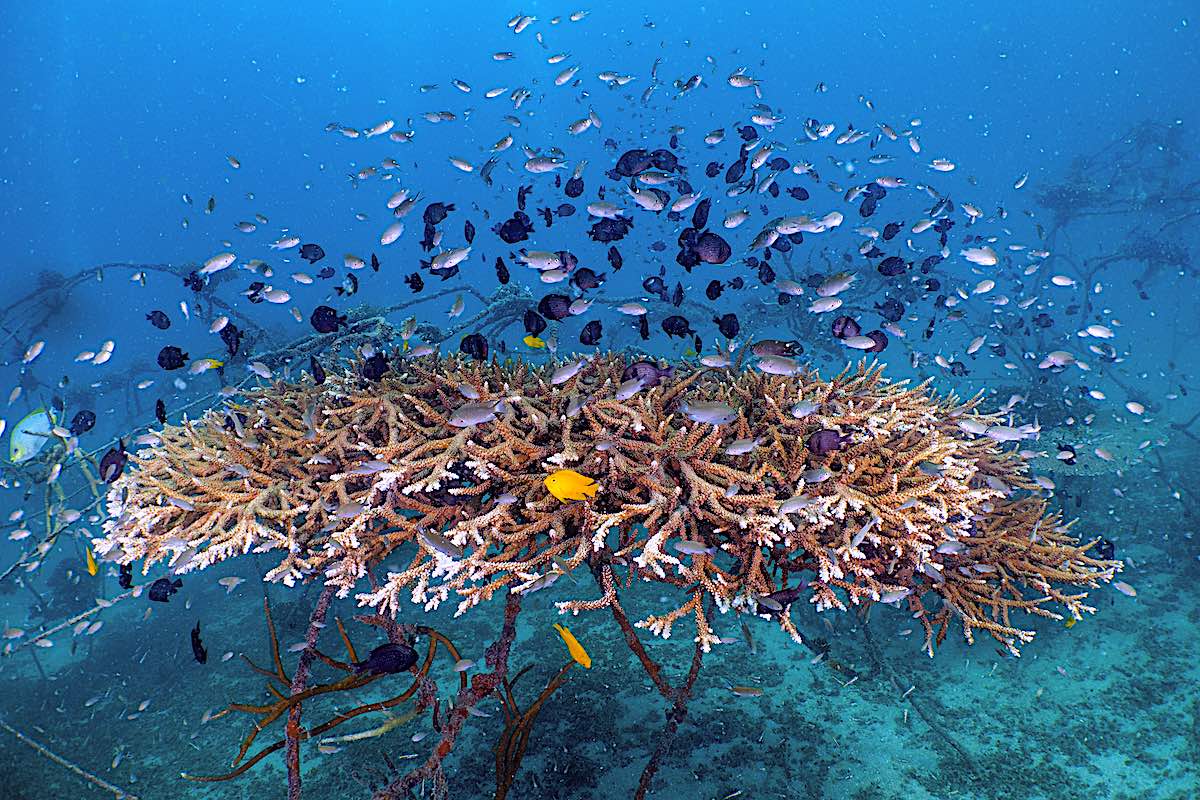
[{"x": 744, "y": 491}]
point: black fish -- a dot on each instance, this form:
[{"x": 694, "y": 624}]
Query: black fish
[
  {"x": 676, "y": 325},
  {"x": 160, "y": 411},
  {"x": 312, "y": 253},
  {"x": 748, "y": 133},
  {"x": 713, "y": 169},
  {"x": 766, "y": 275},
  {"x": 736, "y": 170},
  {"x": 643, "y": 327},
  {"x": 890, "y": 230},
  {"x": 318, "y": 372},
  {"x": 415, "y": 281},
  {"x": 474, "y": 345},
  {"x": 502, "y": 273},
  {"x": 374, "y": 262},
  {"x": 881, "y": 341},
  {"x": 574, "y": 187},
  {"x": 713, "y": 249},
  {"x": 522, "y": 193},
  {"x": 232, "y": 337},
  {"x": 844, "y": 327},
  {"x": 516, "y": 229},
  {"x": 326, "y": 273},
  {"x": 614, "y": 258},
  {"x": 555, "y": 306},
  {"x": 687, "y": 258},
  {"x": 892, "y": 266},
  {"x": 656, "y": 285},
  {"x": 113, "y": 463},
  {"x": 586, "y": 278},
  {"x": 1106, "y": 549},
  {"x": 568, "y": 259},
  {"x": 387, "y": 659},
  {"x": 326, "y": 320},
  {"x": 193, "y": 281},
  {"x": 534, "y": 324},
  {"x": 590, "y": 335},
  {"x": 159, "y": 320},
  {"x": 171, "y": 357},
  {"x": 468, "y": 231},
  {"x": 82, "y": 422},
  {"x": 162, "y": 589},
  {"x": 198, "y": 650},
  {"x": 349, "y": 285},
  {"x": 776, "y": 347},
  {"x": 125, "y": 576},
  {"x": 430, "y": 237},
  {"x": 634, "y": 162},
  {"x": 436, "y": 212},
  {"x": 565, "y": 210},
  {"x": 677, "y": 295},
  {"x": 930, "y": 262},
  {"x": 607, "y": 230},
  {"x": 728, "y": 325},
  {"x": 700, "y": 213},
  {"x": 798, "y": 193},
  {"x": 547, "y": 216},
  {"x": 375, "y": 367},
  {"x": 826, "y": 441},
  {"x": 737, "y": 283},
  {"x": 714, "y": 289},
  {"x": 890, "y": 309}
]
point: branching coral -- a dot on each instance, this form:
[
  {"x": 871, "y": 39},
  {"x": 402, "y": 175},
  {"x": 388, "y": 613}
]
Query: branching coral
[{"x": 908, "y": 506}]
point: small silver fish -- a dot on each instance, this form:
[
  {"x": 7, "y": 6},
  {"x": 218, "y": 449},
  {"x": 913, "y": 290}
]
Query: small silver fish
[
  {"x": 441, "y": 544},
  {"x": 711, "y": 412},
  {"x": 567, "y": 371},
  {"x": 469, "y": 414},
  {"x": 690, "y": 548}
]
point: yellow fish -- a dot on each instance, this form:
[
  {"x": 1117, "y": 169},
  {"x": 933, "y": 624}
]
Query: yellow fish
[
  {"x": 574, "y": 647},
  {"x": 1071, "y": 622},
  {"x": 534, "y": 342},
  {"x": 91, "y": 561},
  {"x": 567, "y": 484}
]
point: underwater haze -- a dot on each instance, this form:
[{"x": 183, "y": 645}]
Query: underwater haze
[{"x": 651, "y": 400}]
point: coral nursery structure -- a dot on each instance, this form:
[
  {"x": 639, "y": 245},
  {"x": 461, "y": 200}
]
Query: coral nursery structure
[{"x": 743, "y": 491}]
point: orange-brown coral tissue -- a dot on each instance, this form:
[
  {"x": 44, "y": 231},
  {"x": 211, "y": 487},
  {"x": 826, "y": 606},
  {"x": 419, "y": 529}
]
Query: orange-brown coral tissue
[{"x": 753, "y": 490}]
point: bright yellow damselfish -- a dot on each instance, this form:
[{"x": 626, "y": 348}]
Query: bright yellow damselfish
[
  {"x": 91, "y": 561},
  {"x": 574, "y": 647},
  {"x": 534, "y": 342},
  {"x": 567, "y": 484},
  {"x": 1071, "y": 622}
]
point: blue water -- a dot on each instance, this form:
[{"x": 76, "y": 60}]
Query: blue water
[{"x": 113, "y": 115}]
